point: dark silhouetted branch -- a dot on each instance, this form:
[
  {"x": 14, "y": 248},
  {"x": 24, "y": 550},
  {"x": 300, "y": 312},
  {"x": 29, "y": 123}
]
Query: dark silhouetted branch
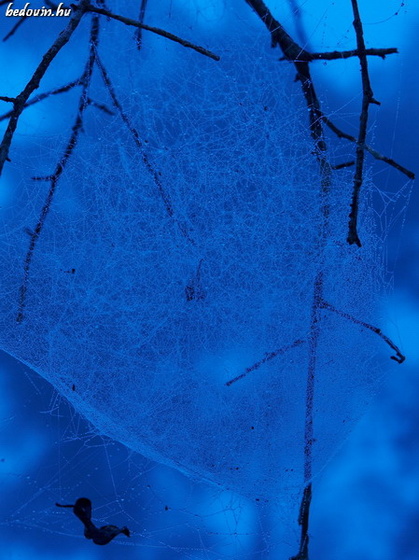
[
  {"x": 54, "y": 178},
  {"x": 303, "y": 521},
  {"x": 338, "y": 55},
  {"x": 40, "y": 97},
  {"x": 300, "y": 58},
  {"x": 340, "y": 134},
  {"x": 34, "y": 82},
  {"x": 343, "y": 165},
  {"x": 399, "y": 357},
  {"x": 268, "y": 356},
  {"x": 367, "y": 99},
  {"x": 141, "y": 16},
  {"x": 137, "y": 140},
  {"x": 156, "y": 30},
  {"x": 14, "y": 28},
  {"x": 100, "y": 106}
]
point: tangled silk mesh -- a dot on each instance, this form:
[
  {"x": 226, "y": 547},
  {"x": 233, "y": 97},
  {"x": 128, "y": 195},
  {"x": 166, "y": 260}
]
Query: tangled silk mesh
[{"x": 143, "y": 301}]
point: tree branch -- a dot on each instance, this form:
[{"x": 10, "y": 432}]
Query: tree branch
[
  {"x": 367, "y": 99},
  {"x": 303, "y": 521},
  {"x": 14, "y": 28},
  {"x": 268, "y": 356},
  {"x": 338, "y": 55},
  {"x": 40, "y": 97},
  {"x": 340, "y": 134},
  {"x": 300, "y": 57},
  {"x": 54, "y": 178},
  {"x": 156, "y": 30},
  {"x": 137, "y": 140},
  {"x": 141, "y": 16},
  {"x": 399, "y": 357},
  {"x": 34, "y": 82}
]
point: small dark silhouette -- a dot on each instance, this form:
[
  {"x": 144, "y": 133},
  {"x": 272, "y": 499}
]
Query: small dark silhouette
[
  {"x": 195, "y": 290},
  {"x": 83, "y": 510}
]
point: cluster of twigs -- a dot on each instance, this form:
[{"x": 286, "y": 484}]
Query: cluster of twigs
[{"x": 293, "y": 53}]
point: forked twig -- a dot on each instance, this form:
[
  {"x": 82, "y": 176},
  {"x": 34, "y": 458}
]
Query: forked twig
[
  {"x": 40, "y": 97},
  {"x": 54, "y": 178},
  {"x": 268, "y": 356},
  {"x": 300, "y": 58},
  {"x": 399, "y": 357},
  {"x": 340, "y": 134},
  {"x": 367, "y": 100},
  {"x": 138, "y": 142},
  {"x": 34, "y": 82},
  {"x": 21, "y": 101}
]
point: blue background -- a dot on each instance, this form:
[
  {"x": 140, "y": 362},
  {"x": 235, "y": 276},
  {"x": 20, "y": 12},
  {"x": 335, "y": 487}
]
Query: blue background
[{"x": 365, "y": 502}]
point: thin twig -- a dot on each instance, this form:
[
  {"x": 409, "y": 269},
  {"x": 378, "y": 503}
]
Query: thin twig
[
  {"x": 340, "y": 134},
  {"x": 298, "y": 21},
  {"x": 34, "y": 82},
  {"x": 8, "y": 99},
  {"x": 14, "y": 28},
  {"x": 268, "y": 356},
  {"x": 367, "y": 99},
  {"x": 40, "y": 97},
  {"x": 54, "y": 179},
  {"x": 300, "y": 57},
  {"x": 156, "y": 30},
  {"x": 100, "y": 106},
  {"x": 303, "y": 521},
  {"x": 399, "y": 357},
  {"x": 343, "y": 165},
  {"x": 338, "y": 55},
  {"x": 141, "y": 16},
  {"x": 137, "y": 140}
]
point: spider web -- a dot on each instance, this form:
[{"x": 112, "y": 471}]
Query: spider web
[{"x": 147, "y": 296}]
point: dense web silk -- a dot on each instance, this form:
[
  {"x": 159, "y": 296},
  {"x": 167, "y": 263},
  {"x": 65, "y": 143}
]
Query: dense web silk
[{"x": 170, "y": 293}]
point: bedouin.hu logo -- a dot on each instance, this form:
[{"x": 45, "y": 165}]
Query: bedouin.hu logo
[{"x": 27, "y": 11}]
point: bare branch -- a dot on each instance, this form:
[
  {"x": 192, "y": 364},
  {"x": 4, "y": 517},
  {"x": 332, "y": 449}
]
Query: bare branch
[
  {"x": 34, "y": 82},
  {"x": 139, "y": 34},
  {"x": 399, "y": 357},
  {"x": 372, "y": 151},
  {"x": 54, "y": 178},
  {"x": 343, "y": 165},
  {"x": 100, "y": 106},
  {"x": 156, "y": 30},
  {"x": 40, "y": 97},
  {"x": 303, "y": 521},
  {"x": 137, "y": 140},
  {"x": 8, "y": 99},
  {"x": 279, "y": 36},
  {"x": 367, "y": 99},
  {"x": 294, "y": 53},
  {"x": 14, "y": 28},
  {"x": 338, "y": 55},
  {"x": 268, "y": 356}
]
